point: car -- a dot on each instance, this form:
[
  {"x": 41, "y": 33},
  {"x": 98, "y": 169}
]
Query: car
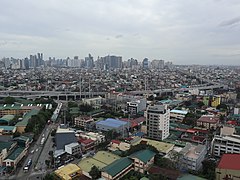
[
  {"x": 32, "y": 151},
  {"x": 37, "y": 150}
]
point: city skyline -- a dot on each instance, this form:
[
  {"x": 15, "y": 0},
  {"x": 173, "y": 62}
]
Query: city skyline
[{"x": 183, "y": 32}]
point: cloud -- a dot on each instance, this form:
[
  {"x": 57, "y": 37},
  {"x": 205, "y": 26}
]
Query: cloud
[
  {"x": 118, "y": 36},
  {"x": 230, "y": 22},
  {"x": 181, "y": 31}
]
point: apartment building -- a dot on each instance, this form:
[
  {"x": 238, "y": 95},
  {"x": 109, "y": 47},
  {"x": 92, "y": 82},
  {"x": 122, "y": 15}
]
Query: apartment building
[
  {"x": 192, "y": 157},
  {"x": 157, "y": 121},
  {"x": 137, "y": 105},
  {"x": 83, "y": 121},
  {"x": 229, "y": 144},
  {"x": 73, "y": 149}
]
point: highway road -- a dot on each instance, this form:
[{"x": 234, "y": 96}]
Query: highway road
[
  {"x": 34, "y": 94},
  {"x": 40, "y": 154}
]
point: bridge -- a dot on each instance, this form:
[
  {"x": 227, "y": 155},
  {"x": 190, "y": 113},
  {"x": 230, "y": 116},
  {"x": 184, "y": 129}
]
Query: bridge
[{"x": 77, "y": 95}]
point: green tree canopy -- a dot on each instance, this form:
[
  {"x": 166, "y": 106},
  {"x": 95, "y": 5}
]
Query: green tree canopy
[
  {"x": 95, "y": 173},
  {"x": 9, "y": 100}
]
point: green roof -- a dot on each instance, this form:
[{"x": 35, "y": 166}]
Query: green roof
[
  {"x": 8, "y": 128},
  {"x": 143, "y": 155},
  {"x": 7, "y": 118},
  {"x": 4, "y": 145},
  {"x": 9, "y": 106},
  {"x": 117, "y": 166},
  {"x": 162, "y": 147},
  {"x": 23, "y": 138},
  {"x": 190, "y": 177},
  {"x": 100, "y": 159},
  {"x": 105, "y": 157},
  {"x": 15, "y": 153},
  {"x": 27, "y": 116},
  {"x": 144, "y": 178},
  {"x": 87, "y": 164}
]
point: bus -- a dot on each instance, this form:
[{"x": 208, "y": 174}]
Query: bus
[{"x": 27, "y": 166}]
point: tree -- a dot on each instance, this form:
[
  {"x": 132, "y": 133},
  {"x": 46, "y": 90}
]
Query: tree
[
  {"x": 95, "y": 173},
  {"x": 49, "y": 176},
  {"x": 72, "y": 104},
  {"x": 209, "y": 169},
  {"x": 222, "y": 106},
  {"x": 85, "y": 108},
  {"x": 47, "y": 162},
  {"x": 53, "y": 133},
  {"x": 9, "y": 100},
  {"x": 163, "y": 162},
  {"x": 140, "y": 147},
  {"x": 111, "y": 134},
  {"x": 200, "y": 104}
]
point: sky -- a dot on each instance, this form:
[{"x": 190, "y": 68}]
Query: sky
[{"x": 181, "y": 31}]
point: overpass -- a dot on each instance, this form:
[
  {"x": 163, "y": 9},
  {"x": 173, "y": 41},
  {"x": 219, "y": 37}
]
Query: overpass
[
  {"x": 77, "y": 95},
  {"x": 63, "y": 95}
]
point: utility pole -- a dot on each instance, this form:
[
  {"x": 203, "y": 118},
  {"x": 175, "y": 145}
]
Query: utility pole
[
  {"x": 80, "y": 87},
  {"x": 89, "y": 86}
]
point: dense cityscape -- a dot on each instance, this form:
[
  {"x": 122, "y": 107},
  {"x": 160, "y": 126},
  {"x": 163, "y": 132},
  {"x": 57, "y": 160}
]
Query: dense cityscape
[
  {"x": 107, "y": 118},
  {"x": 119, "y": 90}
]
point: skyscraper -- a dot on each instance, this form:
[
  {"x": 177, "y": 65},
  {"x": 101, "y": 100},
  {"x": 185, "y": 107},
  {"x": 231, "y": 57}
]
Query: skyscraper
[
  {"x": 89, "y": 63},
  {"x": 158, "y": 117},
  {"x": 145, "y": 63}
]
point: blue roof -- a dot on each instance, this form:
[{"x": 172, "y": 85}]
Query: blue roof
[
  {"x": 179, "y": 111},
  {"x": 112, "y": 122},
  {"x": 140, "y": 134}
]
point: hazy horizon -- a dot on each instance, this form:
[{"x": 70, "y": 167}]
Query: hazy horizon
[{"x": 181, "y": 31}]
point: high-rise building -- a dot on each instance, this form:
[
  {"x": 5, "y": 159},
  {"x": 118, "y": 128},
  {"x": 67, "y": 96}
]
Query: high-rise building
[
  {"x": 157, "y": 64},
  {"x": 109, "y": 62},
  {"x": 89, "y": 63},
  {"x": 145, "y": 63},
  {"x": 132, "y": 63},
  {"x": 158, "y": 117}
]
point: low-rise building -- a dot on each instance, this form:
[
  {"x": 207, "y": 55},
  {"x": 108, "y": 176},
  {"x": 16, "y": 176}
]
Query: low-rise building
[
  {"x": 117, "y": 169},
  {"x": 68, "y": 172},
  {"x": 113, "y": 124},
  {"x": 97, "y": 137},
  {"x": 208, "y": 121},
  {"x": 136, "y": 106},
  {"x": 87, "y": 144},
  {"x": 101, "y": 159},
  {"x": 15, "y": 157},
  {"x": 178, "y": 114},
  {"x": 64, "y": 136},
  {"x": 229, "y": 144},
  {"x": 162, "y": 147},
  {"x": 7, "y": 130},
  {"x": 73, "y": 149},
  {"x": 192, "y": 157},
  {"x": 228, "y": 167},
  {"x": 142, "y": 160},
  {"x": 83, "y": 121},
  {"x": 5, "y": 149},
  {"x": 118, "y": 145}
]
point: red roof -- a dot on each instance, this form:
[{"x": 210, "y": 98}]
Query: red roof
[
  {"x": 134, "y": 122},
  {"x": 115, "y": 141},
  {"x": 86, "y": 141},
  {"x": 230, "y": 161},
  {"x": 208, "y": 119},
  {"x": 232, "y": 122},
  {"x": 191, "y": 131}
]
